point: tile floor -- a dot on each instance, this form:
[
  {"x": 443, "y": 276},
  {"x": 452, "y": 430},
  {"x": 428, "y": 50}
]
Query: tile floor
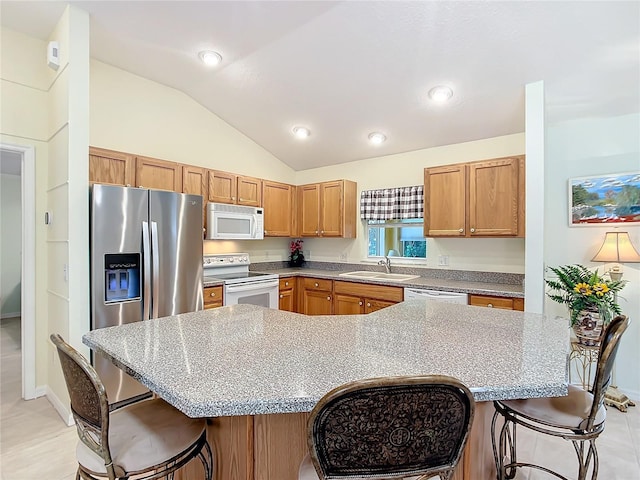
[{"x": 35, "y": 444}]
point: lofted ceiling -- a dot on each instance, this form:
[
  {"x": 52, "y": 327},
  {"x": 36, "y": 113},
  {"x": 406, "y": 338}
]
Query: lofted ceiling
[{"x": 346, "y": 69}]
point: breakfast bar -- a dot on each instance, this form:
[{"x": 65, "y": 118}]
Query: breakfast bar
[{"x": 257, "y": 372}]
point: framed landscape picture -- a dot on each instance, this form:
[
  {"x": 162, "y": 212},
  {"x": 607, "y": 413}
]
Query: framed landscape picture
[{"x": 605, "y": 200}]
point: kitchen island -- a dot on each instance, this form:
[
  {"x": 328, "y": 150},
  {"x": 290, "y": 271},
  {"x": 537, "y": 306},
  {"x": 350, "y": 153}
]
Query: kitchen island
[{"x": 258, "y": 372}]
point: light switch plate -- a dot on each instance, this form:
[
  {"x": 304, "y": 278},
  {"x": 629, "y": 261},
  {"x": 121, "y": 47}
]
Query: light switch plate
[{"x": 443, "y": 260}]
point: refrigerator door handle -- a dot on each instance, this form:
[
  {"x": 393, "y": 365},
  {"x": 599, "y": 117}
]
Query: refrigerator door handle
[
  {"x": 155, "y": 254},
  {"x": 146, "y": 256}
]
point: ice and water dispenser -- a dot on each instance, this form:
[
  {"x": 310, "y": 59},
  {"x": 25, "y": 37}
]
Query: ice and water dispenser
[{"x": 121, "y": 277}]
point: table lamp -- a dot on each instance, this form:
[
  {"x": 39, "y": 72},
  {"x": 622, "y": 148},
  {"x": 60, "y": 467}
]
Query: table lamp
[{"x": 617, "y": 248}]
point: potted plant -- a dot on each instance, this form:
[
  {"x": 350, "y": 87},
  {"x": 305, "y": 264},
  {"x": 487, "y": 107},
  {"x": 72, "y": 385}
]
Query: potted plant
[
  {"x": 591, "y": 299},
  {"x": 296, "y": 259}
]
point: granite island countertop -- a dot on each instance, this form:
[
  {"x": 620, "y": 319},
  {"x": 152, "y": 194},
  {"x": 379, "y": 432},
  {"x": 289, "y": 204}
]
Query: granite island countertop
[{"x": 248, "y": 360}]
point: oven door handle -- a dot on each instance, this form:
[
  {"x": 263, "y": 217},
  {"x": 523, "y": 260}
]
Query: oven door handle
[{"x": 246, "y": 287}]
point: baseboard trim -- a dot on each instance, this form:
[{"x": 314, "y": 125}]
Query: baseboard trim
[
  {"x": 61, "y": 408},
  {"x": 41, "y": 391}
]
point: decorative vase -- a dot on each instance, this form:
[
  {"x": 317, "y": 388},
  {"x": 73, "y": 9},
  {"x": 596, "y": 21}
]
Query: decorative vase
[
  {"x": 589, "y": 326},
  {"x": 296, "y": 261}
]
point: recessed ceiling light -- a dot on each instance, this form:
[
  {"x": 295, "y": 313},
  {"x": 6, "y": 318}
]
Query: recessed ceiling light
[
  {"x": 210, "y": 58},
  {"x": 301, "y": 132},
  {"x": 441, "y": 93},
  {"x": 376, "y": 138}
]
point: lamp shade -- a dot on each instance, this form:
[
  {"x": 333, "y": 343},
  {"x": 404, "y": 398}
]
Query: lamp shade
[{"x": 617, "y": 247}]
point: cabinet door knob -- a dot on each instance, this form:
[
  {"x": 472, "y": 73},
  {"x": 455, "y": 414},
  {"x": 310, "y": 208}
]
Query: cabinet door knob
[
  {"x": 316, "y": 284},
  {"x": 473, "y": 230},
  {"x": 368, "y": 304},
  {"x": 286, "y": 284},
  {"x": 265, "y": 232},
  {"x": 233, "y": 198},
  {"x": 281, "y": 296},
  {"x": 461, "y": 230},
  {"x": 490, "y": 305},
  {"x": 212, "y": 294},
  {"x": 329, "y": 298},
  {"x": 360, "y": 303},
  {"x": 316, "y": 232},
  {"x": 321, "y": 232}
]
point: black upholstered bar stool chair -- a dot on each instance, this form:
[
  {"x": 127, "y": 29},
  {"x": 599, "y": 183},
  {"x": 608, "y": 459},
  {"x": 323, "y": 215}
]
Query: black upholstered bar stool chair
[
  {"x": 578, "y": 417},
  {"x": 383, "y": 428},
  {"x": 149, "y": 439}
]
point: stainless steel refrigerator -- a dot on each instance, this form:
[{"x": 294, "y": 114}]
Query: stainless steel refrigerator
[{"x": 146, "y": 262}]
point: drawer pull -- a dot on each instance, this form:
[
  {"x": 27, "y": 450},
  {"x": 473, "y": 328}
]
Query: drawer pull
[
  {"x": 490, "y": 305},
  {"x": 281, "y": 296},
  {"x": 286, "y": 284},
  {"x": 316, "y": 284},
  {"x": 212, "y": 294}
]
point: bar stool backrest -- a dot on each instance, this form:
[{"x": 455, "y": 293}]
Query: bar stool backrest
[
  {"x": 88, "y": 398},
  {"x": 390, "y": 427},
  {"x": 606, "y": 357}
]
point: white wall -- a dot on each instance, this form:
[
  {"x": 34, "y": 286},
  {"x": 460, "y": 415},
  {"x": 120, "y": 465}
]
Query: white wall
[
  {"x": 583, "y": 148},
  {"x": 10, "y": 244}
]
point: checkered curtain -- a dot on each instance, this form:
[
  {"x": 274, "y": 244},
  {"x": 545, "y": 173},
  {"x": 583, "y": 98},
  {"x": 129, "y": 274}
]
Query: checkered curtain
[{"x": 392, "y": 203}]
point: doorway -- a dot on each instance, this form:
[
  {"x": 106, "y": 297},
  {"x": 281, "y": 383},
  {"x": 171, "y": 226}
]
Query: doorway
[{"x": 21, "y": 159}]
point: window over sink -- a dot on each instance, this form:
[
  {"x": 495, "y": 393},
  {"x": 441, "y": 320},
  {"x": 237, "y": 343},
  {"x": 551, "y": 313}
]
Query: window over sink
[{"x": 397, "y": 238}]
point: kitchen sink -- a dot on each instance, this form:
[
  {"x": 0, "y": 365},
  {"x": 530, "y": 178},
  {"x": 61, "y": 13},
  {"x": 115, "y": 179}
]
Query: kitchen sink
[{"x": 393, "y": 277}]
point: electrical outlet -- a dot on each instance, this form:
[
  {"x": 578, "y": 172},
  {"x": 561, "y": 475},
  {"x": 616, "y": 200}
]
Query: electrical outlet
[
  {"x": 343, "y": 257},
  {"x": 65, "y": 272},
  {"x": 443, "y": 260}
]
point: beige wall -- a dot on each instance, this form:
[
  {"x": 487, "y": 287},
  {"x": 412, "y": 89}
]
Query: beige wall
[
  {"x": 502, "y": 255},
  {"x": 132, "y": 114},
  {"x": 23, "y": 121},
  {"x": 10, "y": 245},
  {"x": 67, "y": 192}
]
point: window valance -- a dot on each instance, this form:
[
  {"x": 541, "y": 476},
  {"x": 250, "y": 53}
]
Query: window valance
[{"x": 392, "y": 203}]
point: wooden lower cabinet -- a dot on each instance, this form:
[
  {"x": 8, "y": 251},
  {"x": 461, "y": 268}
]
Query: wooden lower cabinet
[
  {"x": 491, "y": 301},
  {"x": 316, "y": 296},
  {"x": 213, "y": 297},
  {"x": 357, "y": 298},
  {"x": 271, "y": 447},
  {"x": 287, "y": 294}
]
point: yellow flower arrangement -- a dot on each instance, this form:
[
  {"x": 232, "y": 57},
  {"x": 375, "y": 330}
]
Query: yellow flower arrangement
[{"x": 581, "y": 289}]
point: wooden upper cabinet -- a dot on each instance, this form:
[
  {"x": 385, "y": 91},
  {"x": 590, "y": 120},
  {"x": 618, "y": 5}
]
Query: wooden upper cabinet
[
  {"x": 278, "y": 203},
  {"x": 158, "y": 174},
  {"x": 494, "y": 198},
  {"x": 249, "y": 191},
  {"x": 327, "y": 209},
  {"x": 478, "y": 199},
  {"x": 225, "y": 187},
  {"x": 309, "y": 210},
  {"x": 111, "y": 167},
  {"x": 194, "y": 181},
  {"x": 222, "y": 187},
  {"x": 445, "y": 201}
]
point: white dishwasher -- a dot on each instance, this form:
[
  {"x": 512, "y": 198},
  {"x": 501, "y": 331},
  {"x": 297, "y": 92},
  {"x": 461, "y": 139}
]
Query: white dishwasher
[{"x": 436, "y": 295}]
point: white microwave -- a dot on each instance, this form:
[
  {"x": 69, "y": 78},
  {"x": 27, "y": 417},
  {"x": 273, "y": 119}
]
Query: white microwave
[{"x": 234, "y": 222}]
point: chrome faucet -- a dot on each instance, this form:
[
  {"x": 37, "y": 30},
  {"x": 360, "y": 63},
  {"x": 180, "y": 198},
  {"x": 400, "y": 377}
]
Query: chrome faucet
[{"x": 387, "y": 264}]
